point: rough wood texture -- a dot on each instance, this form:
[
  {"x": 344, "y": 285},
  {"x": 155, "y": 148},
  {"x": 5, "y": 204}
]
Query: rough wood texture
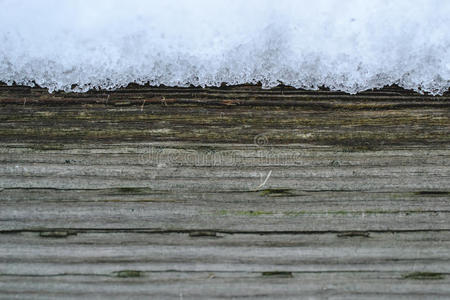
[{"x": 187, "y": 193}]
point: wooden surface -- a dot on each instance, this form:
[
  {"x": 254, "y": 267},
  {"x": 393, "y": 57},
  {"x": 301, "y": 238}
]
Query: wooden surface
[{"x": 224, "y": 193}]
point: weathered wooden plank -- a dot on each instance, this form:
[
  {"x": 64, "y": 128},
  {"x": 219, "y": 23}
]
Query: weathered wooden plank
[
  {"x": 379, "y": 265},
  {"x": 312, "y": 192},
  {"x": 164, "y": 217},
  {"x": 204, "y": 285},
  {"x": 376, "y": 120},
  {"x": 348, "y": 130},
  {"x": 187, "y": 193},
  {"x": 156, "y": 165},
  {"x": 102, "y": 253}
]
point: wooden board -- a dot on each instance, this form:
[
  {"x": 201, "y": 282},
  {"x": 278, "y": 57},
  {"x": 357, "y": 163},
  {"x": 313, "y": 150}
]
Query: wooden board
[{"x": 220, "y": 193}]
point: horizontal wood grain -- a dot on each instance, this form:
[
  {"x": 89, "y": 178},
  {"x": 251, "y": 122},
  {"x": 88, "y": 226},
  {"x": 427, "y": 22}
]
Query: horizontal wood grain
[{"x": 224, "y": 193}]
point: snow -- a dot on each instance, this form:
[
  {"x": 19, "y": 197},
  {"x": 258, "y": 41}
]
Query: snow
[{"x": 352, "y": 45}]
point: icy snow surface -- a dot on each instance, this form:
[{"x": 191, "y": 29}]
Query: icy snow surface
[{"x": 349, "y": 45}]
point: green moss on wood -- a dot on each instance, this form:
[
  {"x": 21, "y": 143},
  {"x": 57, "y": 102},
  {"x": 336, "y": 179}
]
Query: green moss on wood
[
  {"x": 128, "y": 273},
  {"x": 47, "y": 147},
  {"x": 122, "y": 103},
  {"x": 424, "y": 276},
  {"x": 279, "y": 274},
  {"x": 279, "y": 192}
]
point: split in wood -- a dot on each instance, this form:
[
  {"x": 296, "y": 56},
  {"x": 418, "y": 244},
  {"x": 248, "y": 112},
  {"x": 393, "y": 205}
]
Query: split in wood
[
  {"x": 278, "y": 274},
  {"x": 354, "y": 234},
  {"x": 203, "y": 234},
  {"x": 56, "y": 234}
]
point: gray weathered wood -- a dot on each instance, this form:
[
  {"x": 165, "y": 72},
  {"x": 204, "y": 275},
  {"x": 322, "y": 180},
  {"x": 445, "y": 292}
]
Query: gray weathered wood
[{"x": 156, "y": 193}]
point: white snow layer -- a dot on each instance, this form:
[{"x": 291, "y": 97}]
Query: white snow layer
[{"x": 348, "y": 45}]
